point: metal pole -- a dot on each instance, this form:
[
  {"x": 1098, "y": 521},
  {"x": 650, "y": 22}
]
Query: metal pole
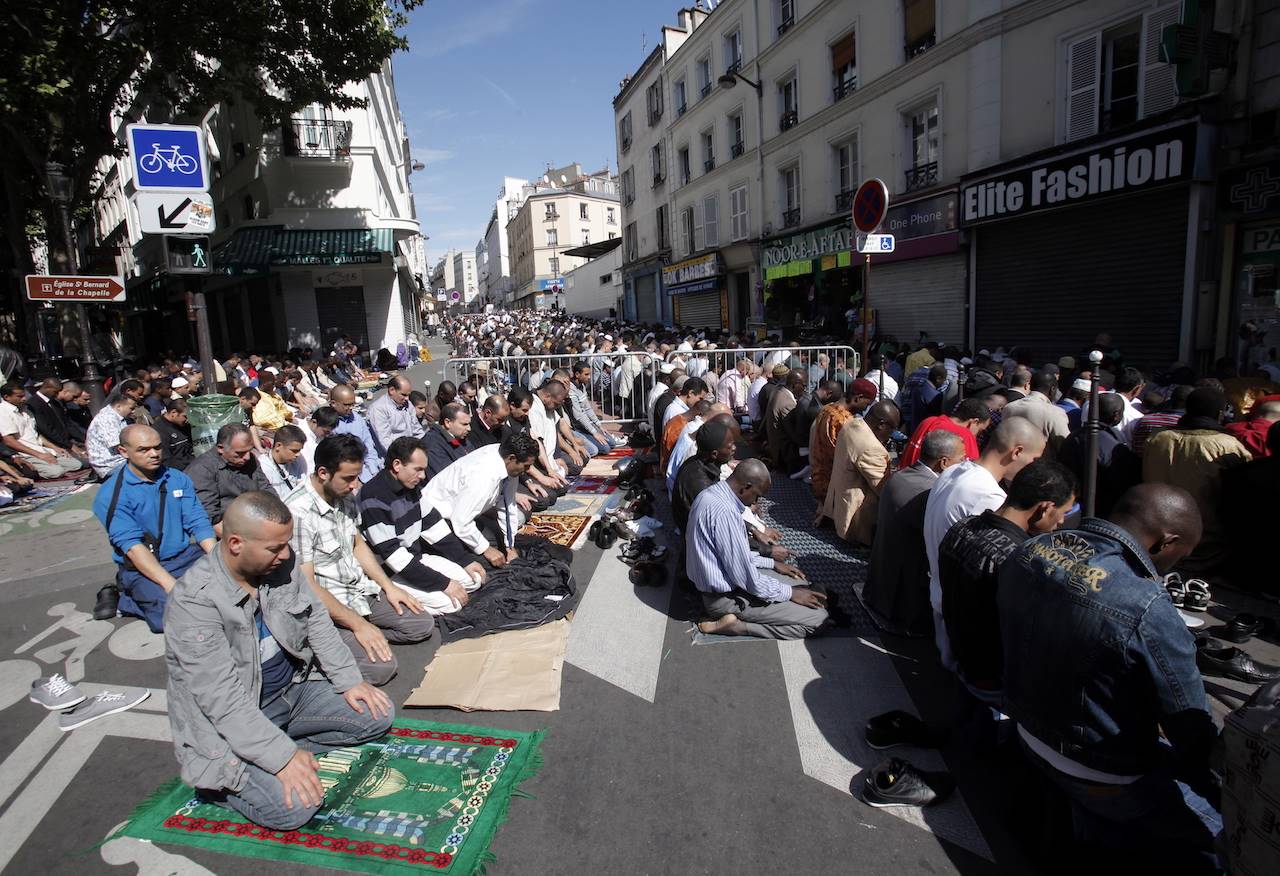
[
  {"x": 1092, "y": 428},
  {"x": 92, "y": 377},
  {"x": 204, "y": 343},
  {"x": 866, "y": 317}
]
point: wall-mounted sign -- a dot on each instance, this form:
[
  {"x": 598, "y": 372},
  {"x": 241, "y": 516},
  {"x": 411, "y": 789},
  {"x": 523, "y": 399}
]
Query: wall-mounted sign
[
  {"x": 829, "y": 240},
  {"x": 691, "y": 270},
  {"x": 936, "y": 215},
  {"x": 1120, "y": 167},
  {"x": 553, "y": 285}
]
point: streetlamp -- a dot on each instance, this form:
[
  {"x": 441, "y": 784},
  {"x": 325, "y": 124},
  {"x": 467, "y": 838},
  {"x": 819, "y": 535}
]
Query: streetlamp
[
  {"x": 61, "y": 188},
  {"x": 729, "y": 79}
]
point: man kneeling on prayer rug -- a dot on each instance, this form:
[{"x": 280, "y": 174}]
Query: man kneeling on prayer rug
[
  {"x": 740, "y": 599},
  {"x": 259, "y": 678}
]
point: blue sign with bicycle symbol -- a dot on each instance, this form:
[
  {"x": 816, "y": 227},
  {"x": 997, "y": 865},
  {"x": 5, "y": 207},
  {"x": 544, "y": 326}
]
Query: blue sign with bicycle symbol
[{"x": 168, "y": 158}]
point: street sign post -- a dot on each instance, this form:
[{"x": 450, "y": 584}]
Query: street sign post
[
  {"x": 41, "y": 287},
  {"x": 870, "y": 203},
  {"x": 175, "y": 213},
  {"x": 168, "y": 158},
  {"x": 187, "y": 255}
]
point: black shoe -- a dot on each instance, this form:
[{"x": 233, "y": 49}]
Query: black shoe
[
  {"x": 1241, "y": 629},
  {"x": 1232, "y": 663},
  {"x": 897, "y": 783},
  {"x": 648, "y": 575},
  {"x": 900, "y": 728},
  {"x": 108, "y": 601},
  {"x": 605, "y": 537}
]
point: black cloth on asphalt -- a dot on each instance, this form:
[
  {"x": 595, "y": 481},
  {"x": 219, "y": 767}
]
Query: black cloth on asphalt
[{"x": 535, "y": 589}]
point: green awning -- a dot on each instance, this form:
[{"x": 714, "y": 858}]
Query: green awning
[
  {"x": 248, "y": 251},
  {"x": 360, "y": 246}
]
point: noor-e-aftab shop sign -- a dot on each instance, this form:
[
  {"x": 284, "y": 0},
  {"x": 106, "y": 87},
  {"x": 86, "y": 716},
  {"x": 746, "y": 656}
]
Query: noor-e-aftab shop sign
[{"x": 1143, "y": 161}]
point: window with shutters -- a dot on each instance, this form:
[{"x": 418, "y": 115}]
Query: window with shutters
[
  {"x": 919, "y": 27},
  {"x": 553, "y": 238},
  {"x": 624, "y": 132},
  {"x": 655, "y": 159},
  {"x": 711, "y": 221},
  {"x": 687, "y": 235},
  {"x": 708, "y": 151},
  {"x": 922, "y": 145},
  {"x": 629, "y": 241},
  {"x": 738, "y": 213},
  {"x": 653, "y": 97},
  {"x": 664, "y": 228},
  {"x": 683, "y": 157},
  {"x": 705, "y": 79},
  {"x": 1115, "y": 76},
  {"x": 844, "y": 67},
  {"x": 846, "y": 174},
  {"x": 733, "y": 51},
  {"x": 789, "y": 191},
  {"x": 736, "y": 144},
  {"x": 679, "y": 97},
  {"x": 788, "y": 102}
]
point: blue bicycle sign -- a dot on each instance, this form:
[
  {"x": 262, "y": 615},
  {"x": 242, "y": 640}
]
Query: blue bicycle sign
[{"x": 168, "y": 158}]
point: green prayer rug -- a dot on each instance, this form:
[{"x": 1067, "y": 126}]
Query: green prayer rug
[{"x": 426, "y": 798}]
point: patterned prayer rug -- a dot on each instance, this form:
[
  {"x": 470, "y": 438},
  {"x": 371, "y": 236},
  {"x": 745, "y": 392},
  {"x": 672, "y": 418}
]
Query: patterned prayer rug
[
  {"x": 426, "y": 798},
  {"x": 566, "y": 530},
  {"x": 585, "y": 504},
  {"x": 596, "y": 485}
]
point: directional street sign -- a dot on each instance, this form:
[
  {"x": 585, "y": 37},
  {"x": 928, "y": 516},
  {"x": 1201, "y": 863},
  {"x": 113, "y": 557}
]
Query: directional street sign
[
  {"x": 168, "y": 158},
  {"x": 41, "y": 287},
  {"x": 869, "y": 205},
  {"x": 187, "y": 255},
  {"x": 869, "y": 244},
  {"x": 175, "y": 213}
]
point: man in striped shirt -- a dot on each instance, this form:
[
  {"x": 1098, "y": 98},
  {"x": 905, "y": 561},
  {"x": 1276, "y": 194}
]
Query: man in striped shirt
[
  {"x": 740, "y": 600},
  {"x": 412, "y": 541}
]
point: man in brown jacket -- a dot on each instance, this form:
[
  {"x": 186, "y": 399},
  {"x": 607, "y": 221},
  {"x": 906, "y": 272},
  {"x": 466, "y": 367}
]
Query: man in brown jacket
[{"x": 858, "y": 472}]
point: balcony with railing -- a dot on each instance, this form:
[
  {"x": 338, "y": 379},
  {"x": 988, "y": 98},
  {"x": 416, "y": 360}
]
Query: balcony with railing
[
  {"x": 317, "y": 138},
  {"x": 704, "y": 90},
  {"x": 734, "y": 67},
  {"x": 626, "y": 143},
  {"x": 920, "y": 45},
  {"x": 659, "y": 178},
  {"x": 551, "y": 216},
  {"x": 736, "y": 150},
  {"x": 791, "y": 218},
  {"x": 709, "y": 165},
  {"x": 844, "y": 88},
  {"x": 786, "y": 24},
  {"x": 789, "y": 120},
  {"x": 922, "y": 176},
  {"x": 681, "y": 109},
  {"x": 844, "y": 202}
]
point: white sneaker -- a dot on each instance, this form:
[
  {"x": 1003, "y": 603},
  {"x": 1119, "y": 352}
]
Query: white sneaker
[
  {"x": 106, "y": 703},
  {"x": 55, "y": 693}
]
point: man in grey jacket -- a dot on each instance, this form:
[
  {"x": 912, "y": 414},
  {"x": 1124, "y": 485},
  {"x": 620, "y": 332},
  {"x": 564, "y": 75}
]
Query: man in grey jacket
[{"x": 258, "y": 676}]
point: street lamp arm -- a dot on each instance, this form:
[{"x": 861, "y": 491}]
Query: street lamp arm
[{"x": 730, "y": 78}]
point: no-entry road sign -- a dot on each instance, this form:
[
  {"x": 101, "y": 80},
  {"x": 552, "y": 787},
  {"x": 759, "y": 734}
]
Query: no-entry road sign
[
  {"x": 42, "y": 287},
  {"x": 869, "y": 205}
]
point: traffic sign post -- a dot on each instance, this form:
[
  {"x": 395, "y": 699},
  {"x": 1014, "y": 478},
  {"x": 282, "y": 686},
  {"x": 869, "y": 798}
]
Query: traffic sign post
[
  {"x": 874, "y": 243},
  {"x": 870, "y": 203},
  {"x": 68, "y": 288}
]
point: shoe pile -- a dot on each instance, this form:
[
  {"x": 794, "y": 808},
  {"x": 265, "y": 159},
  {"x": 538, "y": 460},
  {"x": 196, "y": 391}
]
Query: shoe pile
[
  {"x": 896, "y": 782},
  {"x": 57, "y": 694}
]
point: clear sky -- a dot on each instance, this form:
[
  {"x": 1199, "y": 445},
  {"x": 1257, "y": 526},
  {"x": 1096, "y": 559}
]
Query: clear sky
[{"x": 507, "y": 87}]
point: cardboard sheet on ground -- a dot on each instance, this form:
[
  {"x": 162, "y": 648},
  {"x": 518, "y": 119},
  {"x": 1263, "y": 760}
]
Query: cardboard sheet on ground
[{"x": 515, "y": 671}]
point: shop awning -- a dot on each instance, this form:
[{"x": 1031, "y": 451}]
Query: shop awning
[
  {"x": 248, "y": 251},
  {"x": 594, "y": 250},
  {"x": 806, "y": 266},
  {"x": 360, "y": 246}
]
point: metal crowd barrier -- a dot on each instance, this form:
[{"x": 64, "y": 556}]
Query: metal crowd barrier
[
  {"x": 842, "y": 362},
  {"x": 619, "y": 388}
]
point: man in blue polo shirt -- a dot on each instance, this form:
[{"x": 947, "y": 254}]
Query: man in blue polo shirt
[
  {"x": 342, "y": 398},
  {"x": 152, "y": 518}
]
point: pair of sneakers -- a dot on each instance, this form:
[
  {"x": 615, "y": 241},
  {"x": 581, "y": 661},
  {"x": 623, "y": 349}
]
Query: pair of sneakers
[
  {"x": 57, "y": 694},
  {"x": 1191, "y": 594}
]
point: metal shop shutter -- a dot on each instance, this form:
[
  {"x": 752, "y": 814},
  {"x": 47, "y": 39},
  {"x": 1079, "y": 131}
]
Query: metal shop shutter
[
  {"x": 340, "y": 311},
  {"x": 699, "y": 310},
  {"x": 922, "y": 295},
  {"x": 1052, "y": 282},
  {"x": 646, "y": 299}
]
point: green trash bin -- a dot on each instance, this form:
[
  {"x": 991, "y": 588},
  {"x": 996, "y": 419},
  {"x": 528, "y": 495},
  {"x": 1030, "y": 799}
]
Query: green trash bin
[{"x": 207, "y": 414}]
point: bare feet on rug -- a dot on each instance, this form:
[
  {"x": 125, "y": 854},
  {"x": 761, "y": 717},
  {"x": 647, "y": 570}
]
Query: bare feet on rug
[{"x": 729, "y": 625}]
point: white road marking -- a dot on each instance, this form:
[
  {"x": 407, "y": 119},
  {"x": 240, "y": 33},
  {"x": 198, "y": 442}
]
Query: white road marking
[
  {"x": 150, "y": 859},
  {"x": 834, "y": 685}
]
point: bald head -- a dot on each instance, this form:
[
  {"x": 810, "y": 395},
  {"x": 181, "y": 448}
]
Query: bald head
[
  {"x": 140, "y": 446},
  {"x": 250, "y": 510},
  {"x": 137, "y": 435},
  {"x": 1163, "y": 518},
  {"x": 342, "y": 394},
  {"x": 752, "y": 473},
  {"x": 1015, "y": 443},
  {"x": 941, "y": 446},
  {"x": 256, "y": 529}
]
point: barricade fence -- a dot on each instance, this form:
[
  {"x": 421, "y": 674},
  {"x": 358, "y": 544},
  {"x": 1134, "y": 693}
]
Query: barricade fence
[
  {"x": 618, "y": 390},
  {"x": 836, "y": 362}
]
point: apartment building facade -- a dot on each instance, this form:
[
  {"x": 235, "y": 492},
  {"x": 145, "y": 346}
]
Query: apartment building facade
[
  {"x": 564, "y": 210},
  {"x": 493, "y": 251},
  {"x": 465, "y": 277},
  {"x": 316, "y": 234},
  {"x": 937, "y": 99}
]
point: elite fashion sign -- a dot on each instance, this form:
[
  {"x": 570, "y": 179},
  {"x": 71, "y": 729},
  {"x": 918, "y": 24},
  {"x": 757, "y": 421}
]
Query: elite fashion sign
[{"x": 1144, "y": 161}]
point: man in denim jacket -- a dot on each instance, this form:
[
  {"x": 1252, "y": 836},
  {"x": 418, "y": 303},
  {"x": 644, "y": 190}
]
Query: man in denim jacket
[
  {"x": 258, "y": 676},
  {"x": 1098, "y": 664}
]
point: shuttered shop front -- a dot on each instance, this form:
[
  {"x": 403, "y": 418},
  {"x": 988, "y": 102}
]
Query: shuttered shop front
[
  {"x": 1090, "y": 241},
  {"x": 699, "y": 310},
  {"x": 921, "y": 295}
]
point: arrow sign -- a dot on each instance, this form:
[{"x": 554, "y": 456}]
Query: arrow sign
[
  {"x": 175, "y": 212},
  {"x": 42, "y": 287},
  {"x": 167, "y": 222}
]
